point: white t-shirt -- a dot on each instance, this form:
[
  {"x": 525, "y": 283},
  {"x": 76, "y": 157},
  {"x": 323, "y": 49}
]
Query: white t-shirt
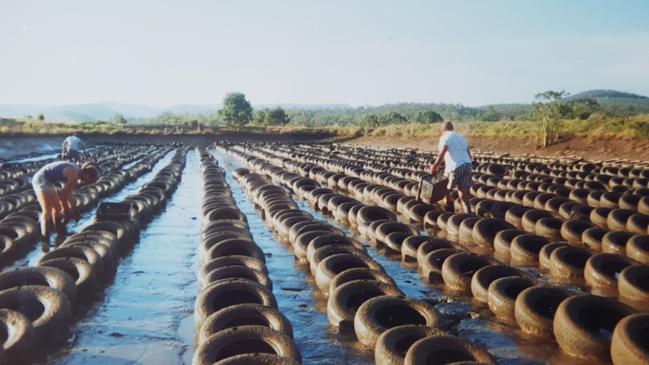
[
  {"x": 456, "y": 154},
  {"x": 73, "y": 143}
]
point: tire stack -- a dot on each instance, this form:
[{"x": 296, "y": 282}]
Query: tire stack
[
  {"x": 360, "y": 294},
  {"x": 38, "y": 304},
  {"x": 236, "y": 313}
]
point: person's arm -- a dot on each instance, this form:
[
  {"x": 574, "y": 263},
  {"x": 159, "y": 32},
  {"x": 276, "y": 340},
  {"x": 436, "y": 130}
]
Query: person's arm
[
  {"x": 64, "y": 146},
  {"x": 438, "y": 160},
  {"x": 67, "y": 201},
  {"x": 468, "y": 151}
]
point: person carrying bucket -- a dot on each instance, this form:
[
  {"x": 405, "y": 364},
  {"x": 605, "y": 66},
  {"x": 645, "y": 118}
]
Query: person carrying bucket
[{"x": 454, "y": 151}]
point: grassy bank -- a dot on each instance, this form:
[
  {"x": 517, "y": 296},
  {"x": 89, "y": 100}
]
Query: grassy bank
[{"x": 597, "y": 126}]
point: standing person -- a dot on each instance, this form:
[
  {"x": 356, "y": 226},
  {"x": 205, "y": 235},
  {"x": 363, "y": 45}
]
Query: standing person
[
  {"x": 58, "y": 204},
  {"x": 71, "y": 147},
  {"x": 454, "y": 151}
]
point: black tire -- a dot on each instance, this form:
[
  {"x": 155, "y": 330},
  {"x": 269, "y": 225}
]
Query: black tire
[
  {"x": 430, "y": 267},
  {"x": 525, "y": 250},
  {"x": 447, "y": 350},
  {"x": 360, "y": 273},
  {"x": 629, "y": 342},
  {"x": 535, "y": 308},
  {"x": 571, "y": 230},
  {"x": 503, "y": 242},
  {"x": 409, "y": 248},
  {"x": 345, "y": 300},
  {"x": 601, "y": 272},
  {"x": 485, "y": 276},
  {"x": 237, "y": 272},
  {"x": 39, "y": 275},
  {"x": 637, "y": 248},
  {"x": 502, "y": 294},
  {"x": 245, "y": 340},
  {"x": 48, "y": 310},
  {"x": 226, "y": 293},
  {"x": 546, "y": 251},
  {"x": 84, "y": 275},
  {"x": 458, "y": 269},
  {"x": 485, "y": 231},
  {"x": 244, "y": 315},
  {"x": 581, "y": 323},
  {"x": 592, "y": 238},
  {"x": 615, "y": 242},
  {"x": 379, "y": 314},
  {"x": 235, "y": 260},
  {"x": 393, "y": 344},
  {"x": 549, "y": 228},
  {"x": 617, "y": 219},
  {"x": 335, "y": 264},
  {"x": 430, "y": 245},
  {"x": 567, "y": 264},
  {"x": 633, "y": 287},
  {"x": 18, "y": 342}
]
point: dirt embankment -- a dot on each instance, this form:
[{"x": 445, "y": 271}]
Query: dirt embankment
[{"x": 588, "y": 148}]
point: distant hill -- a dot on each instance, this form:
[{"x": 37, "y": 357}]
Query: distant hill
[
  {"x": 616, "y": 102},
  {"x": 608, "y": 95}
]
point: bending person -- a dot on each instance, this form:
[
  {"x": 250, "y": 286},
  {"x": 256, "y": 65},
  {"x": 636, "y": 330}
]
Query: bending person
[
  {"x": 70, "y": 150},
  {"x": 58, "y": 204},
  {"x": 454, "y": 151}
]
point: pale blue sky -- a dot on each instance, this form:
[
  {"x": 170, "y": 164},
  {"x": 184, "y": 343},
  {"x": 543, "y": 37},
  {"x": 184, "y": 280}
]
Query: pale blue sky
[{"x": 357, "y": 52}]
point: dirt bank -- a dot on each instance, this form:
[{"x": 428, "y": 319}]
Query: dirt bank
[{"x": 593, "y": 149}]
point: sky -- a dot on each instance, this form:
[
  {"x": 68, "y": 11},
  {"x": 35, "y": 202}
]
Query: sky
[{"x": 357, "y": 52}]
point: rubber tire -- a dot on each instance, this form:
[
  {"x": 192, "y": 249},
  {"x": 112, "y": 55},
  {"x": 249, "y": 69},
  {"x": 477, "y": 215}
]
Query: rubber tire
[
  {"x": 447, "y": 350},
  {"x": 244, "y": 315},
  {"x": 535, "y": 308},
  {"x": 379, "y": 314},
  {"x": 502, "y": 294},
  {"x": 393, "y": 344},
  {"x": 345, "y": 300},
  {"x": 629, "y": 342},
  {"x": 579, "y": 321},
  {"x": 244, "y": 340}
]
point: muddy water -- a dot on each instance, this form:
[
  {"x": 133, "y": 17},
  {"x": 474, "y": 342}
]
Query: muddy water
[
  {"x": 145, "y": 316},
  {"x": 297, "y": 296}
]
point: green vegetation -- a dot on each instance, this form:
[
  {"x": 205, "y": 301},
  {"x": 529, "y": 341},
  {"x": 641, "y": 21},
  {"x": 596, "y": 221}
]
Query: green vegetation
[{"x": 236, "y": 111}]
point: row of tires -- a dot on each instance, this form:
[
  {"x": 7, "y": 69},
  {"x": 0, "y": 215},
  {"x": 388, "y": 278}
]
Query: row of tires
[
  {"x": 527, "y": 248},
  {"x": 360, "y": 294},
  {"x": 38, "y": 304},
  {"x": 19, "y": 231},
  {"x": 500, "y": 286},
  {"x": 236, "y": 313}
]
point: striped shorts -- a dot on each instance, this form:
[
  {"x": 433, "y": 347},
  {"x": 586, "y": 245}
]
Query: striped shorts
[{"x": 460, "y": 177}]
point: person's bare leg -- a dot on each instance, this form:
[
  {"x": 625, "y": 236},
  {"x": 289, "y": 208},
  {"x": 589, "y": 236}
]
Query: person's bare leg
[
  {"x": 465, "y": 197},
  {"x": 46, "y": 199},
  {"x": 449, "y": 201}
]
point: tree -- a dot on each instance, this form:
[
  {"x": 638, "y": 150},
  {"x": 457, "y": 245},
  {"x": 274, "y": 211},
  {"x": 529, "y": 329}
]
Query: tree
[
  {"x": 370, "y": 121},
  {"x": 259, "y": 117},
  {"x": 427, "y": 117},
  {"x": 236, "y": 111},
  {"x": 276, "y": 116},
  {"x": 393, "y": 118},
  {"x": 41, "y": 117},
  {"x": 119, "y": 119},
  {"x": 550, "y": 108}
]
